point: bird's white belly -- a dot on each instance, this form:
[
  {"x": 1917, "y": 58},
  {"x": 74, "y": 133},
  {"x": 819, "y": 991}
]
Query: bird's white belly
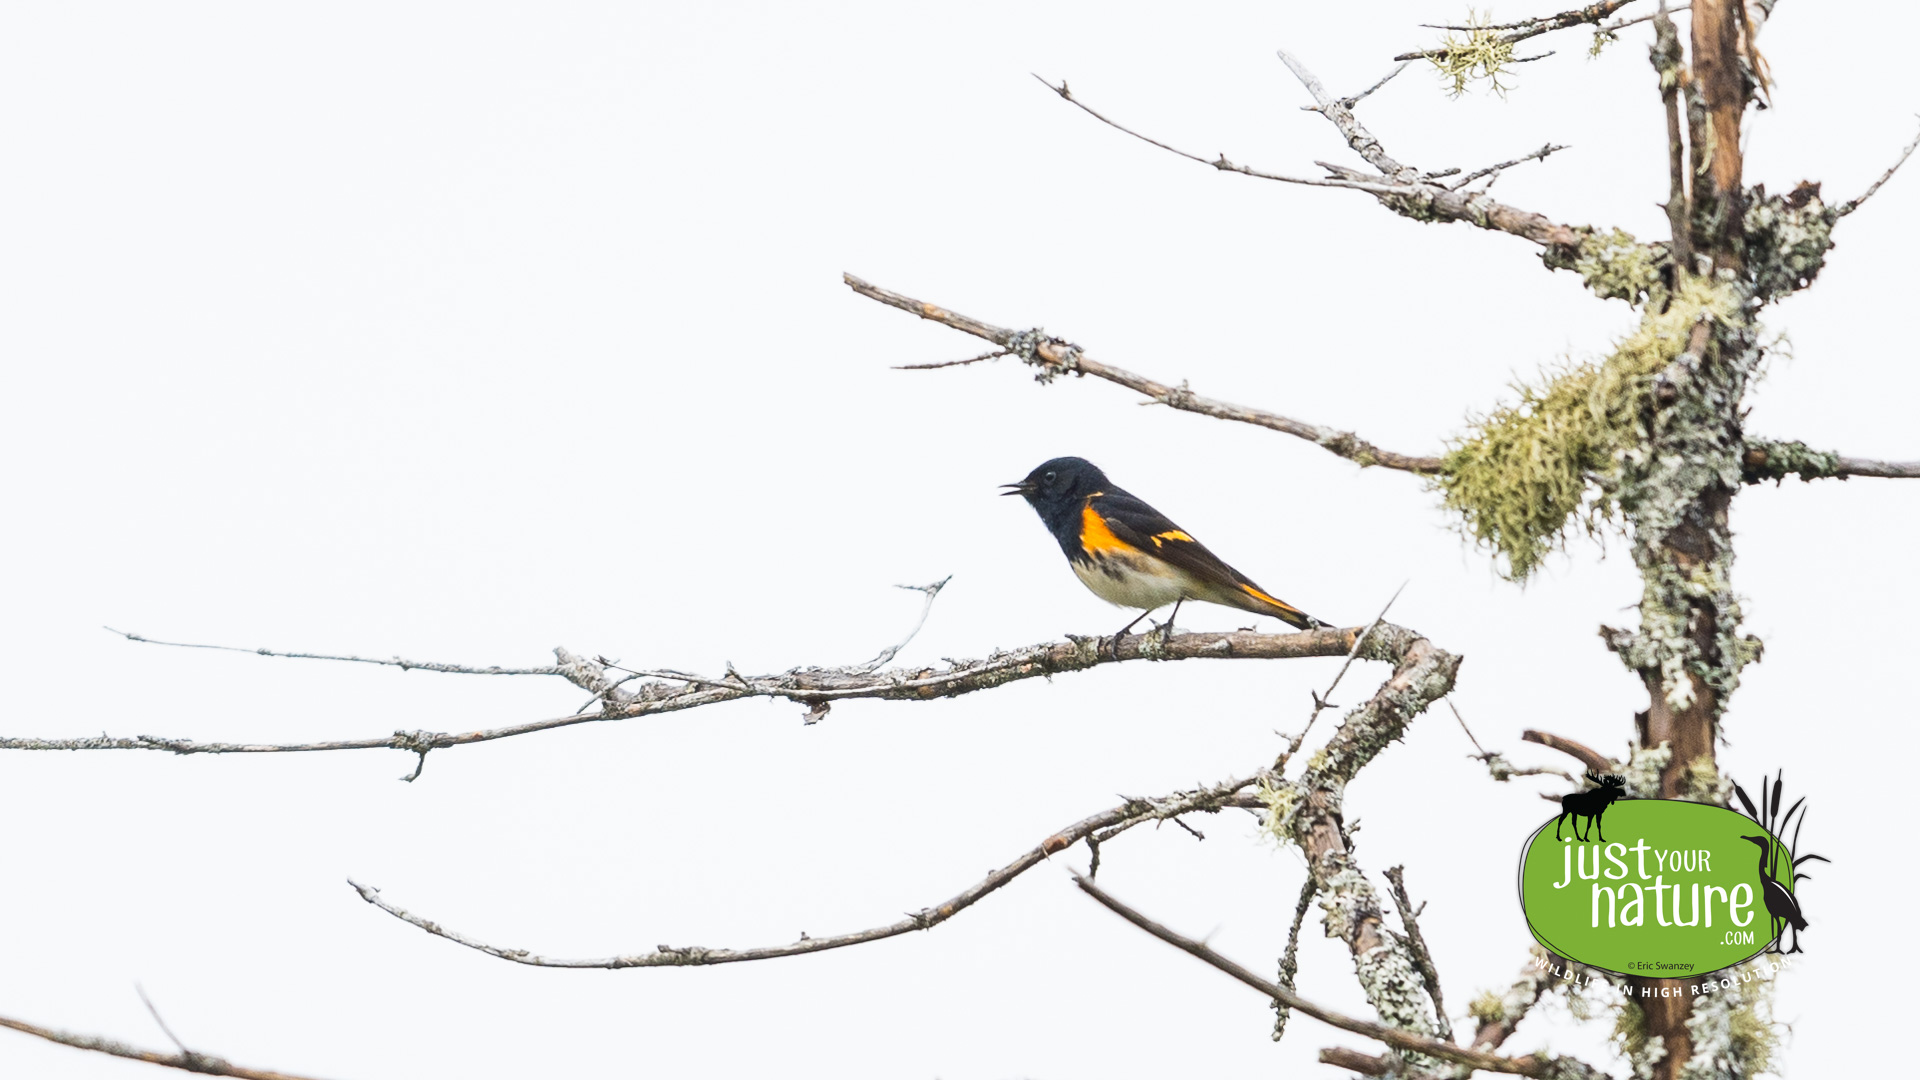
[{"x": 1132, "y": 582}]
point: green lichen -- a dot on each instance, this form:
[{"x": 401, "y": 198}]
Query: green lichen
[
  {"x": 1483, "y": 53},
  {"x": 1487, "y": 1008},
  {"x": 1787, "y": 239},
  {"x": 1613, "y": 264},
  {"x": 1602, "y": 37},
  {"x": 1766, "y": 460},
  {"x": 1281, "y": 799},
  {"x": 1529, "y": 472}
]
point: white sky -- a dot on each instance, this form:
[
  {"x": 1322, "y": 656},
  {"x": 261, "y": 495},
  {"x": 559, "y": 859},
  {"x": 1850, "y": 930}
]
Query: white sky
[{"x": 461, "y": 332}]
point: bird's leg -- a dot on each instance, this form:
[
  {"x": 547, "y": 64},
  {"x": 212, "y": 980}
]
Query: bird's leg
[
  {"x": 1124, "y": 631},
  {"x": 1166, "y": 631}
]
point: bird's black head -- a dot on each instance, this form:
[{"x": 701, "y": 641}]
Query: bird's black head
[
  {"x": 1057, "y": 488},
  {"x": 1760, "y": 840}
]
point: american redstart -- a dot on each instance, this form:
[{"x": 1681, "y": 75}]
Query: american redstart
[{"x": 1132, "y": 555}]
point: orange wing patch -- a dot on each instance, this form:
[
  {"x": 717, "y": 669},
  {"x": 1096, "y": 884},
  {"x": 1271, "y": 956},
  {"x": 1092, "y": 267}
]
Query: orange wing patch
[
  {"x": 1172, "y": 534},
  {"x": 1096, "y": 537},
  {"x": 1261, "y": 596}
]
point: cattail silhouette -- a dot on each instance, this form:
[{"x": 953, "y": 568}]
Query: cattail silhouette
[{"x": 1590, "y": 804}]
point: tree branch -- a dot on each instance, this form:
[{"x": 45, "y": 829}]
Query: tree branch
[
  {"x": 1769, "y": 459},
  {"x": 1529, "y": 28},
  {"x": 185, "y": 1060},
  {"x": 1054, "y": 357},
  {"x": 1406, "y": 191},
  {"x": 1853, "y": 204},
  {"x": 1586, "y": 755},
  {"x": 1431, "y": 201},
  {"x": 1112, "y": 822},
  {"x": 1394, "y": 1037},
  {"x": 1422, "y": 959},
  {"x": 808, "y": 686}
]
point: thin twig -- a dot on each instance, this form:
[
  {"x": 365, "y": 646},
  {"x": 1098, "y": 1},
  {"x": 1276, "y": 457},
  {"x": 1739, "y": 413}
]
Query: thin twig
[
  {"x": 1122, "y": 817},
  {"x": 1422, "y": 959},
  {"x": 399, "y": 662},
  {"x": 1057, "y": 356},
  {"x": 993, "y": 355},
  {"x": 933, "y": 593},
  {"x": 1538, "y": 155},
  {"x": 1407, "y": 194},
  {"x": 186, "y": 1061},
  {"x": 1290, "y": 960},
  {"x": 1851, "y": 205},
  {"x": 1320, "y": 701},
  {"x": 1463, "y": 726},
  {"x": 1220, "y": 161},
  {"x": 1394, "y": 1037},
  {"x": 1350, "y": 102},
  {"x": 155, "y": 1013}
]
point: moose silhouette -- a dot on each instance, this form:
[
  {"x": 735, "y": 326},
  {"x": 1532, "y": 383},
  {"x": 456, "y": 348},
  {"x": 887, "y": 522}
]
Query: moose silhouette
[{"x": 1590, "y": 804}]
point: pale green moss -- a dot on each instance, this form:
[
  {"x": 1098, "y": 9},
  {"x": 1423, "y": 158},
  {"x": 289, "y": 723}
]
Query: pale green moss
[{"x": 1528, "y": 472}]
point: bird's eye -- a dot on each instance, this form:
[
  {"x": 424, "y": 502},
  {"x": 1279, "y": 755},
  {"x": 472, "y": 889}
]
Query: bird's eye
[{"x": 1049, "y": 477}]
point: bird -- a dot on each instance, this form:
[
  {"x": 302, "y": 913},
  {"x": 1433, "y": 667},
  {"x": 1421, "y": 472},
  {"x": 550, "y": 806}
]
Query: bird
[
  {"x": 1781, "y": 905},
  {"x": 1133, "y": 556}
]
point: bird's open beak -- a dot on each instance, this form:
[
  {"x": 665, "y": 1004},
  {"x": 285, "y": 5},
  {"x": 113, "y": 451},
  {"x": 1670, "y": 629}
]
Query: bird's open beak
[{"x": 1020, "y": 488}]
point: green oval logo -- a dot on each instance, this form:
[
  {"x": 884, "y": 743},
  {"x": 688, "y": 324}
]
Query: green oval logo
[{"x": 1657, "y": 887}]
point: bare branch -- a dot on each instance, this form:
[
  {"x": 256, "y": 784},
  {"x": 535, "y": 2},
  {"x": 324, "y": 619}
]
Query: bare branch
[
  {"x": 1320, "y": 701},
  {"x": 994, "y": 354},
  {"x": 1853, "y": 204},
  {"x": 808, "y": 686},
  {"x": 1355, "y": 1061},
  {"x": 1056, "y": 357},
  {"x": 1495, "y": 170},
  {"x": 399, "y": 662},
  {"x": 1586, "y": 755},
  {"x": 1430, "y": 201},
  {"x": 891, "y": 651},
  {"x": 185, "y": 1060},
  {"x": 1422, "y": 959},
  {"x": 1350, "y": 102},
  {"x": 1290, "y": 960},
  {"x": 1220, "y": 162},
  {"x": 1529, "y": 28},
  {"x": 1112, "y": 822},
  {"x": 1394, "y": 1037}
]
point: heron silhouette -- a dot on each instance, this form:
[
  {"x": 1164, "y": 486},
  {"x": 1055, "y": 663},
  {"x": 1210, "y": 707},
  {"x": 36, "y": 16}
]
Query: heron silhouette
[{"x": 1781, "y": 905}]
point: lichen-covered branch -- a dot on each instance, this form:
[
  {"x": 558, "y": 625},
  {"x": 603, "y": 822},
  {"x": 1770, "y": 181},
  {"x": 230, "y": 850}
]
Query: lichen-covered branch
[
  {"x": 1420, "y": 1045},
  {"x": 1055, "y": 357},
  {"x": 620, "y": 699},
  {"x": 1417, "y": 944},
  {"x": 1308, "y": 812},
  {"x": 186, "y": 1060},
  {"x": 1508, "y": 34},
  {"x": 1768, "y": 459},
  {"x": 1108, "y": 823}
]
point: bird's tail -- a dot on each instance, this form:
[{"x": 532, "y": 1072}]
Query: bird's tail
[{"x": 1251, "y": 597}]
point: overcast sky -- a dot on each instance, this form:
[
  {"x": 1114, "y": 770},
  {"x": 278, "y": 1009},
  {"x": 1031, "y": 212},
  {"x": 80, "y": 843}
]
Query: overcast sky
[{"x": 459, "y": 332}]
